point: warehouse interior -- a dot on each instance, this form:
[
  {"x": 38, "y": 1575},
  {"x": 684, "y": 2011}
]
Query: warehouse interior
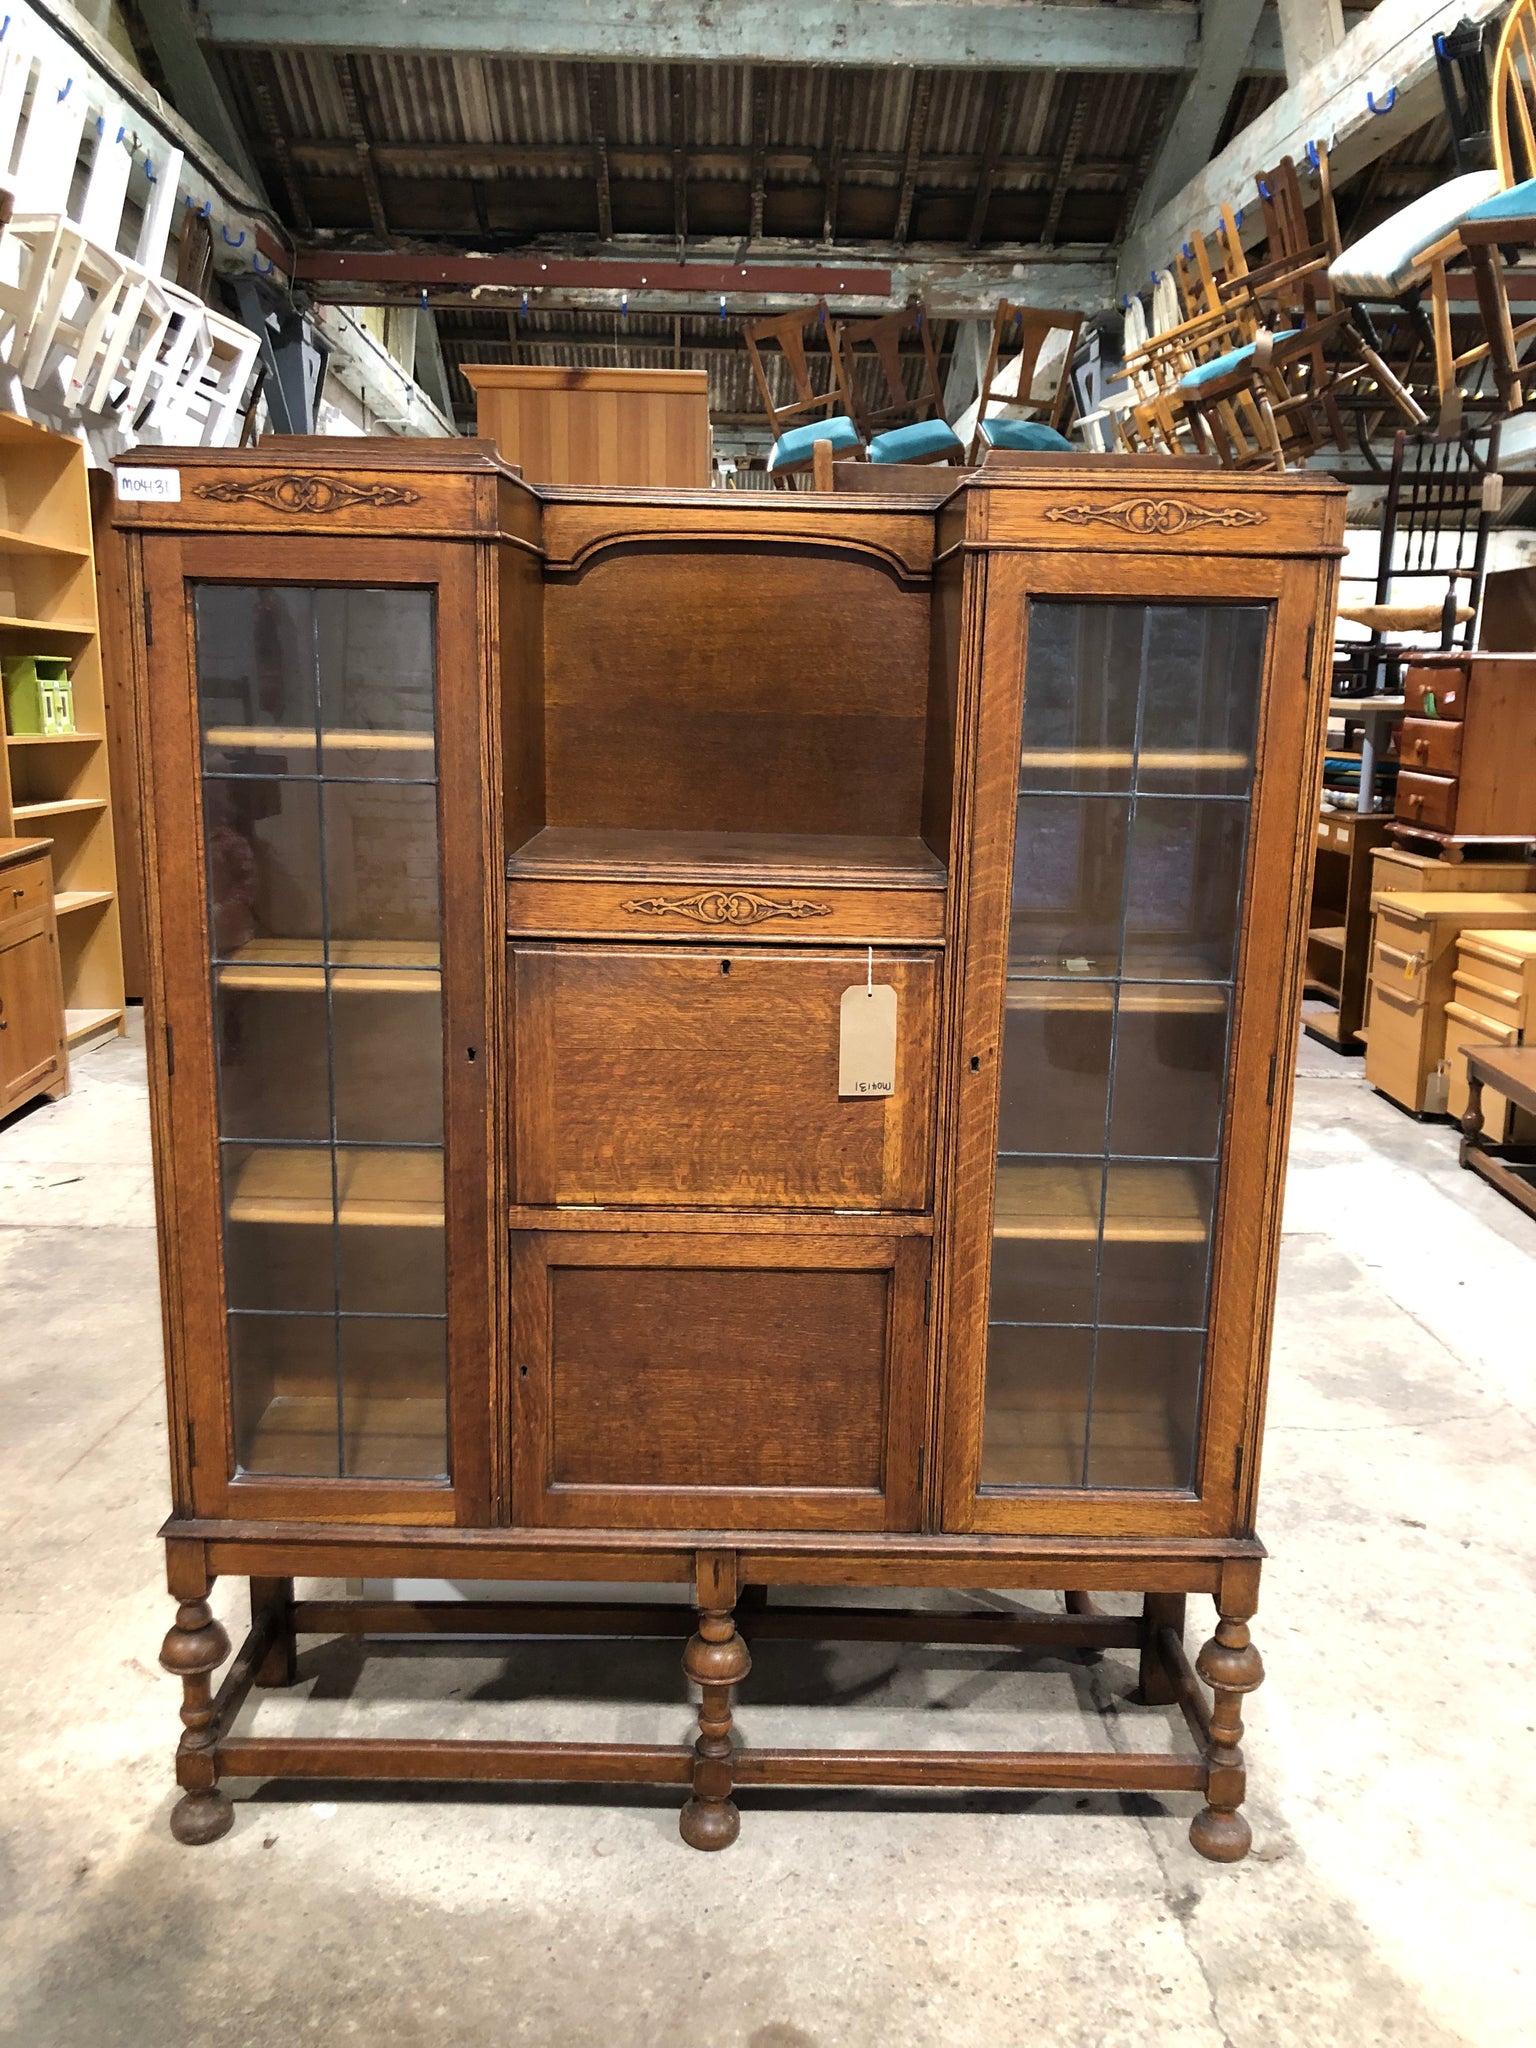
[{"x": 586, "y": 589}]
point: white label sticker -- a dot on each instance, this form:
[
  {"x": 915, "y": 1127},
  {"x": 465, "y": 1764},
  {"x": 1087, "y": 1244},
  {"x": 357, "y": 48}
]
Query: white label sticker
[
  {"x": 150, "y": 486},
  {"x": 866, "y": 1063}
]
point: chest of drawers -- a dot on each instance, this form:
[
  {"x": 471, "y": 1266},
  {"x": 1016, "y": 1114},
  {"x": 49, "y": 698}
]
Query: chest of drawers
[{"x": 1468, "y": 748}]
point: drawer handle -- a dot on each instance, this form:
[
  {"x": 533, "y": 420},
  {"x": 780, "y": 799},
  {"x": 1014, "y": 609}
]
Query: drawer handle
[
  {"x": 1410, "y": 963},
  {"x": 735, "y": 907},
  {"x": 1421, "y": 749}
]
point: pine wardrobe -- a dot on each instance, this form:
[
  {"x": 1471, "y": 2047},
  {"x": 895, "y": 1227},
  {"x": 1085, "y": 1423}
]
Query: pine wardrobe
[{"x": 726, "y": 1039}]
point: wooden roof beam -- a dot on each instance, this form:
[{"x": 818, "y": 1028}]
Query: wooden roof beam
[
  {"x": 994, "y": 125},
  {"x": 1190, "y": 136},
  {"x": 597, "y": 122},
  {"x": 917, "y": 130},
  {"x": 346, "y": 81}
]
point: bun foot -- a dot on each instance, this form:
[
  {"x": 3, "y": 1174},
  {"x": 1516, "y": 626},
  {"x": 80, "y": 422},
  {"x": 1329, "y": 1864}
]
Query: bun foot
[
  {"x": 1220, "y": 1837},
  {"x": 199, "y": 1817},
  {"x": 709, "y": 1823}
]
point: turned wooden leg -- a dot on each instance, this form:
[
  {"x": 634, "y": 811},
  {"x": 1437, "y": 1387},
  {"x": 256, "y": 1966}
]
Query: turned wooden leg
[
  {"x": 1230, "y": 1666},
  {"x": 1155, "y": 1686},
  {"x": 193, "y": 1650},
  {"x": 275, "y": 1597},
  {"x": 716, "y": 1659},
  {"x": 1472, "y": 1115}
]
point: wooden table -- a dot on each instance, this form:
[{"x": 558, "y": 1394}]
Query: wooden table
[{"x": 1512, "y": 1070}]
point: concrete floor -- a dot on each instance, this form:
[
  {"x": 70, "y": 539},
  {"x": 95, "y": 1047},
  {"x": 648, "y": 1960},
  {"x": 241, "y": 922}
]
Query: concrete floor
[{"x": 1389, "y": 1898}]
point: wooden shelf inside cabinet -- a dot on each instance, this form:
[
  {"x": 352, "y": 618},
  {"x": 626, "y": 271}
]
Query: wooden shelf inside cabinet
[
  {"x": 1138, "y": 998},
  {"x": 54, "y": 739},
  {"x": 80, "y": 1024},
  {"x": 35, "y": 546},
  {"x": 296, "y": 1435},
  {"x": 230, "y": 739},
  {"x": 1059, "y": 1199},
  {"x": 384, "y": 1187},
  {"x": 1154, "y": 760},
  {"x": 1329, "y": 935},
  {"x": 57, "y": 807},
  {"x": 357, "y": 966},
  {"x": 571, "y": 852},
  {"x": 66, "y": 900},
  {"x": 77, "y": 629}
]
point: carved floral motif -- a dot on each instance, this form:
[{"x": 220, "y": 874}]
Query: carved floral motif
[
  {"x": 1155, "y": 517},
  {"x": 306, "y": 493},
  {"x": 726, "y": 906}
]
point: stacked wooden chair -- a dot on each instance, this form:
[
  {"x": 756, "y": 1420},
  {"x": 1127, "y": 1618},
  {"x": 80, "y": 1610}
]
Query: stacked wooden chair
[
  {"x": 866, "y": 405},
  {"x": 1275, "y": 398},
  {"x": 776, "y": 349},
  {"x": 1466, "y": 221},
  {"x": 895, "y": 425},
  {"x": 1030, "y": 346}
]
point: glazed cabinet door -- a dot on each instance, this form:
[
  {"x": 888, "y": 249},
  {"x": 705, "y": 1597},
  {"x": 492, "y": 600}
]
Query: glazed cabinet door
[
  {"x": 1145, "y": 768},
  {"x": 326, "y": 1004}
]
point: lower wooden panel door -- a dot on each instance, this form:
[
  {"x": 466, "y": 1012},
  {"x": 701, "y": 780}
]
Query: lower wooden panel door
[
  {"x": 718, "y": 1378},
  {"x": 31, "y": 1008}
]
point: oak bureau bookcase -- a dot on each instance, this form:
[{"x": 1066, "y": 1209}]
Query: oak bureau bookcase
[{"x": 534, "y": 875}]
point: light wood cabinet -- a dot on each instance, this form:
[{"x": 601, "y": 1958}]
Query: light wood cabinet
[
  {"x": 517, "y": 853},
  {"x": 585, "y": 426},
  {"x": 1413, "y": 963},
  {"x": 34, "y": 1057},
  {"x": 57, "y": 783},
  {"x": 1493, "y": 1002}
]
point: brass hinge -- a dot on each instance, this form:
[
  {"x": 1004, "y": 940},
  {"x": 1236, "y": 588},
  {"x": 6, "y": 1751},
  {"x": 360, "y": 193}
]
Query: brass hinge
[
  {"x": 191, "y": 1443},
  {"x": 149, "y": 621},
  {"x": 1237, "y": 1470},
  {"x": 170, "y": 1052},
  {"x": 1311, "y": 644},
  {"x": 1269, "y": 1092},
  {"x": 927, "y": 1298},
  {"x": 922, "y": 1457}
]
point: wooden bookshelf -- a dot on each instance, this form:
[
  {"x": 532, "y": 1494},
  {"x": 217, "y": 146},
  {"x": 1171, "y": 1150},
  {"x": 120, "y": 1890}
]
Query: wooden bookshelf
[{"x": 59, "y": 783}]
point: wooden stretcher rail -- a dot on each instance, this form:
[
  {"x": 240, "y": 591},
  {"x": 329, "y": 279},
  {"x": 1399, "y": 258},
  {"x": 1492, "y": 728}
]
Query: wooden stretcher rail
[{"x": 464, "y": 1618}]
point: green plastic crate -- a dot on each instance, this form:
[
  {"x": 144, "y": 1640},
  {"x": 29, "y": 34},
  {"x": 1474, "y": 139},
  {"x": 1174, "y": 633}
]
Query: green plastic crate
[{"x": 39, "y": 697}]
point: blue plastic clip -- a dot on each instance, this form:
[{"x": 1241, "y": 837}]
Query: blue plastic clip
[
  {"x": 525, "y": 305},
  {"x": 1313, "y": 156},
  {"x": 1188, "y": 252},
  {"x": 1264, "y": 191},
  {"x": 232, "y": 241},
  {"x": 1237, "y": 217},
  {"x": 1386, "y": 106},
  {"x": 149, "y": 172},
  {"x": 722, "y": 306}
]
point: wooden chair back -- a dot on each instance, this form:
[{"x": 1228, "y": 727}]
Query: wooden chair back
[
  {"x": 785, "y": 333},
  {"x": 1019, "y": 333},
  {"x": 869, "y": 364},
  {"x": 1514, "y": 96}
]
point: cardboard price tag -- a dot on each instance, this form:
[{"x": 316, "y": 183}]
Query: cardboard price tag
[{"x": 866, "y": 1057}]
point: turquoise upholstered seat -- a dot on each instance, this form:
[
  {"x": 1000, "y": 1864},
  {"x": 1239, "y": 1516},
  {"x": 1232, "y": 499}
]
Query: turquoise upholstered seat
[
  {"x": 796, "y": 445},
  {"x": 1034, "y": 437},
  {"x": 914, "y": 443},
  {"x": 1384, "y": 263},
  {"x": 1221, "y": 366},
  {"x": 1515, "y": 204}
]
